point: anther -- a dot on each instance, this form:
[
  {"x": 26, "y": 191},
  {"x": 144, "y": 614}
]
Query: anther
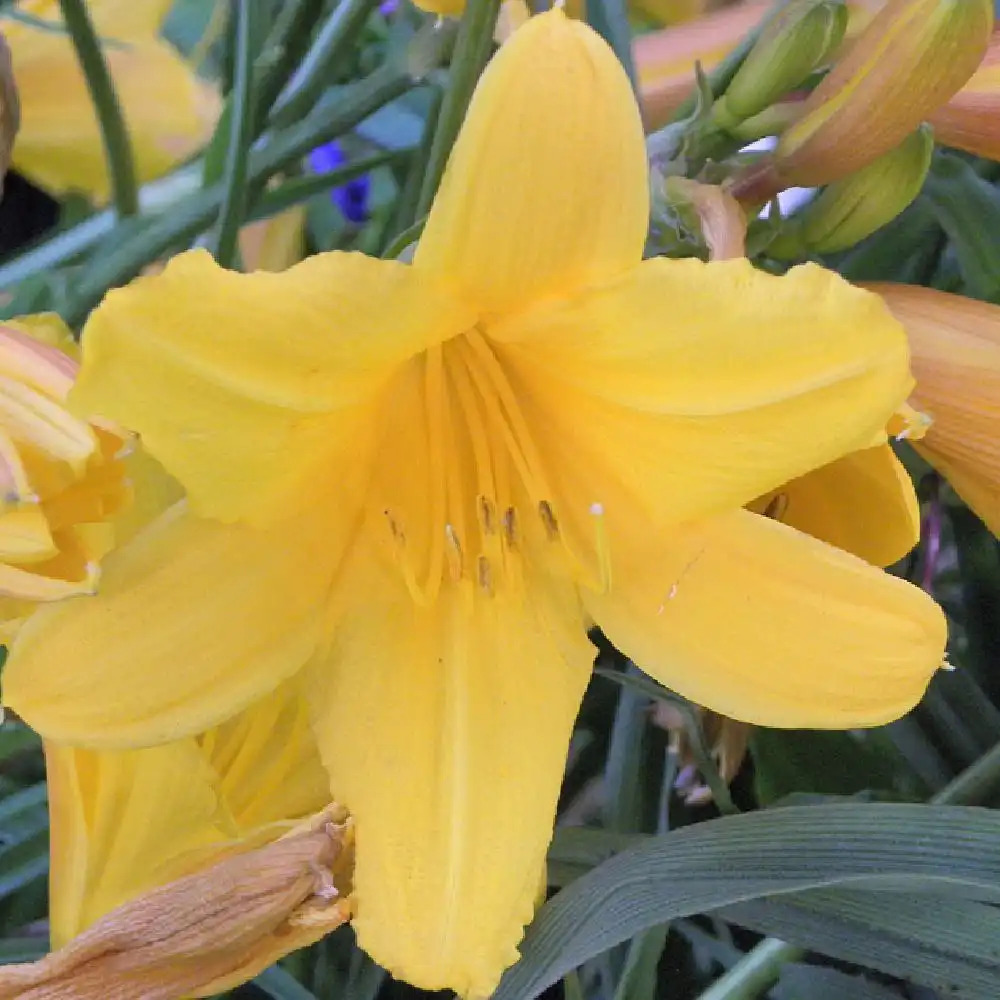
[
  {"x": 453, "y": 553},
  {"x": 776, "y": 506},
  {"x": 484, "y": 574},
  {"x": 397, "y": 531},
  {"x": 510, "y": 527},
  {"x": 548, "y": 519},
  {"x": 487, "y": 515}
]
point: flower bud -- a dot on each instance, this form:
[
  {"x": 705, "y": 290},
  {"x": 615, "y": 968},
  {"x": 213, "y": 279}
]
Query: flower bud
[
  {"x": 955, "y": 354},
  {"x": 852, "y": 208},
  {"x": 912, "y": 58},
  {"x": 791, "y": 45},
  {"x": 971, "y": 119}
]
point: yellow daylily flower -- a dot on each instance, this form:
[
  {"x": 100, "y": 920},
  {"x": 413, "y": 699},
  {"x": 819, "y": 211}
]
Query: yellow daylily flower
[
  {"x": 186, "y": 869},
  {"x": 955, "y": 347},
  {"x": 170, "y": 113},
  {"x": 971, "y": 119},
  {"x": 63, "y": 478},
  {"x": 664, "y": 11},
  {"x": 413, "y": 487}
]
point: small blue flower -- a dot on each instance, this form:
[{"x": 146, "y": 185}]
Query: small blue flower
[{"x": 351, "y": 198}]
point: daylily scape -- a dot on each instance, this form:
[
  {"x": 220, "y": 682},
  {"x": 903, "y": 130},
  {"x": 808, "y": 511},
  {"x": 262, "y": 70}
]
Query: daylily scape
[{"x": 412, "y": 488}]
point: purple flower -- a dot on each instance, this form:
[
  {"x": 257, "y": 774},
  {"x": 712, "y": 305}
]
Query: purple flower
[{"x": 351, "y": 198}]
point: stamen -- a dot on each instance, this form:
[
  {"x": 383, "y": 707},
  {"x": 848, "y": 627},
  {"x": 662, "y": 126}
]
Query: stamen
[
  {"x": 510, "y": 528},
  {"x": 453, "y": 551},
  {"x": 484, "y": 574},
  {"x": 548, "y": 520},
  {"x": 419, "y": 594},
  {"x": 487, "y": 514},
  {"x": 602, "y": 548},
  {"x": 776, "y": 506}
]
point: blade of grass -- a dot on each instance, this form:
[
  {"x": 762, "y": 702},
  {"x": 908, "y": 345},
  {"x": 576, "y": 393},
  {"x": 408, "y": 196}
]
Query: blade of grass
[
  {"x": 223, "y": 241},
  {"x": 114, "y": 134}
]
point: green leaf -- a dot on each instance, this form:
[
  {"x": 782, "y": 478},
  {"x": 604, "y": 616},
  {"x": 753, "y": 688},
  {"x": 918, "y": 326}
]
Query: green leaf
[
  {"x": 280, "y": 985},
  {"x": 968, "y": 209},
  {"x": 943, "y": 851},
  {"x": 816, "y": 983},
  {"x": 827, "y": 763},
  {"x": 952, "y": 946}
]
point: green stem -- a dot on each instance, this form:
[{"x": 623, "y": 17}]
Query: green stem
[
  {"x": 472, "y": 49},
  {"x": 975, "y": 784},
  {"x": 335, "y": 39},
  {"x": 249, "y": 17},
  {"x": 114, "y": 134},
  {"x": 755, "y": 972},
  {"x": 283, "y": 48}
]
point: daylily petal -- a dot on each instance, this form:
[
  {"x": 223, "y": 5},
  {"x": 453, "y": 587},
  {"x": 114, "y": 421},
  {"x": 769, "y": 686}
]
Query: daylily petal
[
  {"x": 244, "y": 385},
  {"x": 165, "y": 806},
  {"x": 170, "y": 113},
  {"x": 267, "y": 761},
  {"x": 863, "y": 502},
  {"x": 445, "y": 731},
  {"x": 195, "y": 621},
  {"x": 508, "y": 227},
  {"x": 687, "y": 388},
  {"x": 762, "y": 623},
  {"x": 955, "y": 348}
]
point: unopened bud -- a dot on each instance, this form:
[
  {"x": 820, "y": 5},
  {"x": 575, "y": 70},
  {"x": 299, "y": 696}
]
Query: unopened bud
[
  {"x": 791, "y": 45},
  {"x": 850, "y": 209},
  {"x": 971, "y": 119},
  {"x": 912, "y": 58}
]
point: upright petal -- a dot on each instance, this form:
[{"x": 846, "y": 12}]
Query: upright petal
[
  {"x": 546, "y": 189},
  {"x": 685, "y": 388},
  {"x": 762, "y": 623},
  {"x": 445, "y": 732},
  {"x": 863, "y": 503},
  {"x": 955, "y": 346},
  {"x": 252, "y": 388},
  {"x": 194, "y": 621},
  {"x": 170, "y": 113}
]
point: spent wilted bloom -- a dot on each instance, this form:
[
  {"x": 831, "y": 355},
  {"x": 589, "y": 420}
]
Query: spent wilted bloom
[
  {"x": 187, "y": 868},
  {"x": 414, "y": 487},
  {"x": 955, "y": 347},
  {"x": 170, "y": 112}
]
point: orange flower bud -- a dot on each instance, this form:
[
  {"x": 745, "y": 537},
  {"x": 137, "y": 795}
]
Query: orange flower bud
[
  {"x": 912, "y": 58},
  {"x": 955, "y": 356},
  {"x": 971, "y": 119}
]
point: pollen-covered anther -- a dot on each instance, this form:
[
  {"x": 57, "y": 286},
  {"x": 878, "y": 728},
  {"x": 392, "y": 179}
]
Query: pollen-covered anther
[
  {"x": 487, "y": 514},
  {"x": 549, "y": 521},
  {"x": 510, "y": 533},
  {"x": 484, "y": 575},
  {"x": 453, "y": 553}
]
